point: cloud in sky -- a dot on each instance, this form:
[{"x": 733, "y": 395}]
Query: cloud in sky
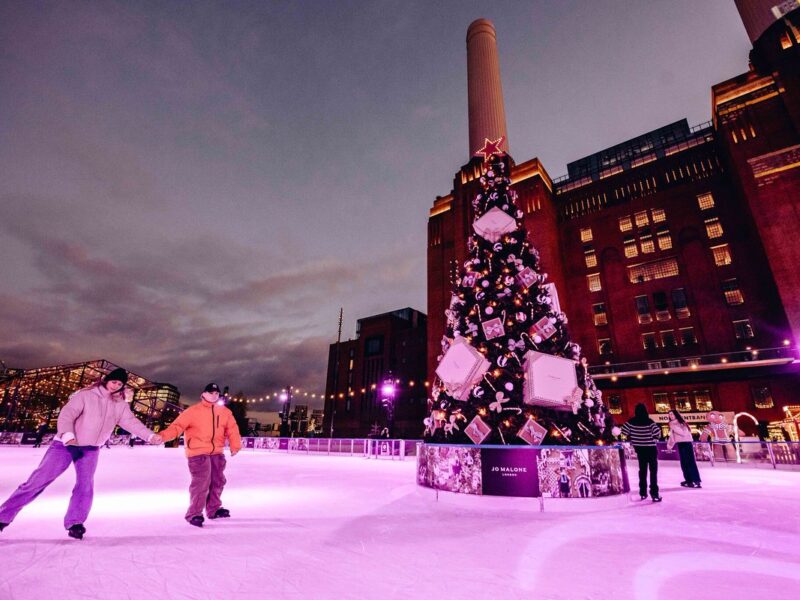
[{"x": 192, "y": 190}]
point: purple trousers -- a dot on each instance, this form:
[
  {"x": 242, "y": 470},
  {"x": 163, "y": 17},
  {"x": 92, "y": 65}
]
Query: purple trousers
[
  {"x": 208, "y": 480},
  {"x": 55, "y": 461}
]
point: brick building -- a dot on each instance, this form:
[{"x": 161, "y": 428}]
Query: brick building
[
  {"x": 388, "y": 347},
  {"x": 672, "y": 252}
]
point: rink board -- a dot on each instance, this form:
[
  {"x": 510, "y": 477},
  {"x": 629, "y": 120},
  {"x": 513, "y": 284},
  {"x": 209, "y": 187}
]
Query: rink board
[{"x": 548, "y": 471}]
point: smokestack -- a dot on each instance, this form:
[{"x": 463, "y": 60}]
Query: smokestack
[{"x": 487, "y": 115}]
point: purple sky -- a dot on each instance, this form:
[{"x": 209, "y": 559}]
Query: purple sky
[{"x": 192, "y": 190}]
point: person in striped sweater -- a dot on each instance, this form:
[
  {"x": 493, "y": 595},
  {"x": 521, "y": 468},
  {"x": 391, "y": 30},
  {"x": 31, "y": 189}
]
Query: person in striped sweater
[{"x": 643, "y": 433}]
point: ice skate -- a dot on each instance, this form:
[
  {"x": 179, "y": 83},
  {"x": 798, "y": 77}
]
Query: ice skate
[
  {"x": 76, "y": 531},
  {"x": 222, "y": 513},
  {"x": 196, "y": 521}
]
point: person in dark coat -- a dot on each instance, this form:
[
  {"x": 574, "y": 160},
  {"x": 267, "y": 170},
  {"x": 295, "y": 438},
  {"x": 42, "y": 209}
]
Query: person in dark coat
[
  {"x": 40, "y": 431},
  {"x": 643, "y": 433}
]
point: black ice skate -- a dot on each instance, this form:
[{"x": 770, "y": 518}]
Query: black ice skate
[
  {"x": 196, "y": 521},
  {"x": 76, "y": 531},
  {"x": 3, "y": 526},
  {"x": 657, "y": 498},
  {"x": 222, "y": 513}
]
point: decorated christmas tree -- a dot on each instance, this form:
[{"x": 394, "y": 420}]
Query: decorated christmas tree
[{"x": 508, "y": 372}]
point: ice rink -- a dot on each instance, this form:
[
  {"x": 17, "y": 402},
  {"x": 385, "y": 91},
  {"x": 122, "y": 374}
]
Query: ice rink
[{"x": 346, "y": 527}]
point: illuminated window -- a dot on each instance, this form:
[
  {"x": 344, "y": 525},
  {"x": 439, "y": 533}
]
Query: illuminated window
[
  {"x": 664, "y": 238},
  {"x": 641, "y": 219},
  {"x": 713, "y": 228},
  {"x": 661, "y": 402},
  {"x": 593, "y": 282},
  {"x": 615, "y": 404},
  {"x": 705, "y": 201},
  {"x": 600, "y": 316},
  {"x": 646, "y": 240},
  {"x": 604, "y": 347},
  {"x": 682, "y": 402},
  {"x": 654, "y": 270},
  {"x": 658, "y": 215},
  {"x": 702, "y": 401},
  {"x": 786, "y": 41},
  {"x": 679, "y": 303},
  {"x": 722, "y": 255},
  {"x": 643, "y": 310},
  {"x": 762, "y": 396},
  {"x": 668, "y": 339},
  {"x": 733, "y": 295},
  {"x": 661, "y": 306},
  {"x": 625, "y": 224},
  {"x": 586, "y": 234},
  {"x": 743, "y": 329},
  {"x": 630, "y": 247},
  {"x": 687, "y": 336},
  {"x": 590, "y": 257},
  {"x": 649, "y": 341}
]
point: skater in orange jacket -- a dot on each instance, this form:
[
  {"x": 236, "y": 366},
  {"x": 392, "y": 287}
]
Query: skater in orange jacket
[{"x": 206, "y": 425}]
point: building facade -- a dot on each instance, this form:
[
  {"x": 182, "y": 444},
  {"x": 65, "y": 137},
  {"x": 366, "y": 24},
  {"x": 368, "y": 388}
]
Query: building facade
[
  {"x": 389, "y": 348},
  {"x": 29, "y": 397},
  {"x": 672, "y": 252}
]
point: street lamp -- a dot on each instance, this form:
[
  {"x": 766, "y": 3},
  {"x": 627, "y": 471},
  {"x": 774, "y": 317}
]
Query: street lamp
[
  {"x": 286, "y": 398},
  {"x": 388, "y": 391}
]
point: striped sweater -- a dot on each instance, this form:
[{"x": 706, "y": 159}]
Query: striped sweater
[{"x": 642, "y": 435}]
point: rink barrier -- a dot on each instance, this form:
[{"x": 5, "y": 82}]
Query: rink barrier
[
  {"x": 392, "y": 449},
  {"x": 580, "y": 472}
]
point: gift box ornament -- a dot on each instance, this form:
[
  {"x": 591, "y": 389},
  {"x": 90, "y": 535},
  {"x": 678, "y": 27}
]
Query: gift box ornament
[
  {"x": 543, "y": 329},
  {"x": 493, "y": 328},
  {"x": 477, "y": 430},
  {"x": 461, "y": 367},
  {"x": 531, "y": 432},
  {"x": 468, "y": 280},
  {"x": 493, "y": 224},
  {"x": 527, "y": 277},
  {"x": 550, "y": 381},
  {"x": 551, "y": 290}
]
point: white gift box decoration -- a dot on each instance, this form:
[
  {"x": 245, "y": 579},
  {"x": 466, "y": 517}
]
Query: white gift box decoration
[
  {"x": 493, "y": 224},
  {"x": 555, "y": 304},
  {"x": 461, "y": 367},
  {"x": 532, "y": 432},
  {"x": 493, "y": 328},
  {"x": 550, "y": 381},
  {"x": 477, "y": 430},
  {"x": 527, "y": 277}
]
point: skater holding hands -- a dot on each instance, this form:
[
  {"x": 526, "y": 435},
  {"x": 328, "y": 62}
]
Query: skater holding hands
[
  {"x": 206, "y": 425},
  {"x": 84, "y": 424}
]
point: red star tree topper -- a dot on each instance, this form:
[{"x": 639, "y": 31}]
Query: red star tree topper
[{"x": 490, "y": 147}]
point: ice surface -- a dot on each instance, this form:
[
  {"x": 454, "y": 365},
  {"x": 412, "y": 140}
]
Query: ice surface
[{"x": 344, "y": 527}]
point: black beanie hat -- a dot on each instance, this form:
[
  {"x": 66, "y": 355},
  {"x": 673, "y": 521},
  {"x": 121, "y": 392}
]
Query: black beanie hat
[
  {"x": 211, "y": 387},
  {"x": 117, "y": 374}
]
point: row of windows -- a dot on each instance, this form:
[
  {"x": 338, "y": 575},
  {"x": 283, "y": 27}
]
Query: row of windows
[
  {"x": 643, "y": 218},
  {"x": 646, "y": 242},
  {"x": 660, "y": 303},
  {"x": 668, "y": 339},
  {"x": 682, "y": 402},
  {"x": 697, "y": 400},
  {"x": 743, "y": 330},
  {"x": 659, "y": 269}
]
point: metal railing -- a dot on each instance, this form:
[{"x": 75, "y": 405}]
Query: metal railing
[
  {"x": 747, "y": 453},
  {"x": 366, "y": 447},
  {"x": 726, "y": 360}
]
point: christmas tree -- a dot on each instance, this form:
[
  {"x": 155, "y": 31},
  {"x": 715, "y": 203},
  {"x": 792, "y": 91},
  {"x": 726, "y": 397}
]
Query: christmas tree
[{"x": 508, "y": 372}]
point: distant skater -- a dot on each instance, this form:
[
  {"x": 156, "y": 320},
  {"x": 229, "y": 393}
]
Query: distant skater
[
  {"x": 84, "y": 424},
  {"x": 643, "y": 433}
]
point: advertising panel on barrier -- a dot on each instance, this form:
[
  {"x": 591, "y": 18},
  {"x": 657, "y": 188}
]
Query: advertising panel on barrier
[
  {"x": 283, "y": 444},
  {"x": 248, "y": 442},
  {"x": 450, "y": 468},
  {"x": 510, "y": 472},
  {"x": 11, "y": 439},
  {"x": 564, "y": 473}
]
